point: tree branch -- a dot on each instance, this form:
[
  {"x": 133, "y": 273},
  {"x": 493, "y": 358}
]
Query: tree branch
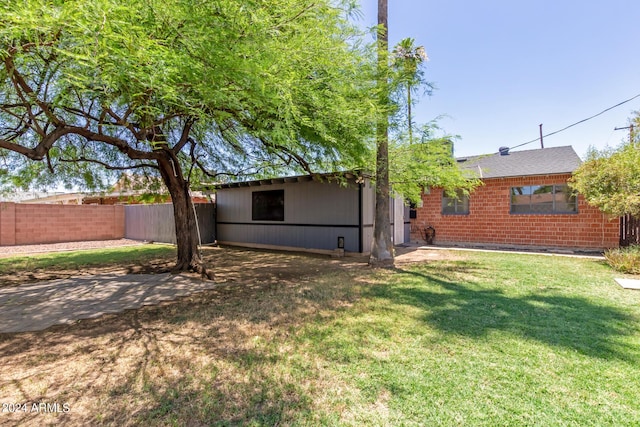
[
  {"x": 232, "y": 174},
  {"x": 122, "y": 145},
  {"x": 184, "y": 138},
  {"x": 49, "y": 165},
  {"x": 43, "y": 147},
  {"x": 108, "y": 166},
  {"x": 294, "y": 156},
  {"x": 294, "y": 18},
  {"x": 20, "y": 82},
  {"x": 85, "y": 115},
  {"x": 122, "y": 121}
]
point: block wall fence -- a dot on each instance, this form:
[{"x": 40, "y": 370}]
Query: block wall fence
[
  {"x": 24, "y": 224},
  {"x": 490, "y": 222}
]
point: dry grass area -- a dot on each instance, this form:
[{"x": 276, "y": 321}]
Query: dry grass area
[{"x": 220, "y": 357}]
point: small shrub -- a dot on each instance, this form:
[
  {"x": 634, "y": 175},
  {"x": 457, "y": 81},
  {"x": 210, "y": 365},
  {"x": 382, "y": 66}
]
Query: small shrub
[{"x": 625, "y": 260}]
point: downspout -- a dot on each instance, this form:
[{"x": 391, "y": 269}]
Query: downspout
[
  {"x": 215, "y": 220},
  {"x": 360, "y": 226}
]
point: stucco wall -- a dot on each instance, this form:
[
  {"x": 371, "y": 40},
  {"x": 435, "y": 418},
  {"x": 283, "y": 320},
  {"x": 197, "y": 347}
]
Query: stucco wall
[
  {"x": 490, "y": 222},
  {"x": 24, "y": 224}
]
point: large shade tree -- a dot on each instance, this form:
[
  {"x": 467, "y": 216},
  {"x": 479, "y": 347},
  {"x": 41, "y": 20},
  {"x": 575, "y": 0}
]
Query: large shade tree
[{"x": 182, "y": 89}]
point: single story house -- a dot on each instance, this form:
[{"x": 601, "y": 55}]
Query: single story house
[
  {"x": 325, "y": 213},
  {"x": 525, "y": 202}
]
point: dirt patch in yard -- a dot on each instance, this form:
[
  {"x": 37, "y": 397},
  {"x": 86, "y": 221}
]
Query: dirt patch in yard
[
  {"x": 411, "y": 255},
  {"x": 228, "y": 264}
]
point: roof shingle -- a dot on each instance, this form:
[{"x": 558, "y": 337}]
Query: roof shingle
[{"x": 545, "y": 161}]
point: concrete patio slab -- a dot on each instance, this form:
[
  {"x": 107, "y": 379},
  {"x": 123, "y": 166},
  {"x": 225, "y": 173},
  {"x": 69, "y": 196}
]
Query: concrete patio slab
[
  {"x": 629, "y": 283},
  {"x": 36, "y": 306}
]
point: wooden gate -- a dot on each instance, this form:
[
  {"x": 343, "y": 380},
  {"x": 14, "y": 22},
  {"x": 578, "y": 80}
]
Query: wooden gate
[{"x": 629, "y": 230}]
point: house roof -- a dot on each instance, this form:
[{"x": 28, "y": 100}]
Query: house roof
[
  {"x": 545, "y": 161},
  {"x": 333, "y": 176}
]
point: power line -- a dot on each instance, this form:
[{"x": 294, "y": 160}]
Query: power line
[{"x": 577, "y": 123}]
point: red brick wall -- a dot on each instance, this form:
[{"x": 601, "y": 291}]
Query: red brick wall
[
  {"x": 489, "y": 220},
  {"x": 24, "y": 224}
]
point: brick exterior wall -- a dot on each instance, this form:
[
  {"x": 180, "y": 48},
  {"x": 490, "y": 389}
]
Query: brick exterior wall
[
  {"x": 24, "y": 224},
  {"x": 490, "y": 223}
]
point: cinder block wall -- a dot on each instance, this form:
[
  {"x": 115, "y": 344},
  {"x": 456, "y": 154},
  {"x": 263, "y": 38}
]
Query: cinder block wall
[
  {"x": 489, "y": 220},
  {"x": 7, "y": 224},
  {"x": 24, "y": 224}
]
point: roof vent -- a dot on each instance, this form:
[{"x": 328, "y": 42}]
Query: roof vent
[{"x": 504, "y": 151}]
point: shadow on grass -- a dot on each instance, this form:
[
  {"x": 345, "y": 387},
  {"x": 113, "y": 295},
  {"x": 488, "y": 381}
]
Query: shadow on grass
[
  {"x": 466, "y": 309},
  {"x": 243, "y": 353},
  {"x": 220, "y": 357},
  {"x": 135, "y": 360},
  {"x": 204, "y": 395}
]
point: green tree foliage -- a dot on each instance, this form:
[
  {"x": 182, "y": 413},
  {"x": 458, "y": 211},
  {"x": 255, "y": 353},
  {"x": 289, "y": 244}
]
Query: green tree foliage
[
  {"x": 182, "y": 89},
  {"x": 426, "y": 163},
  {"x": 610, "y": 179},
  {"x": 264, "y": 83}
]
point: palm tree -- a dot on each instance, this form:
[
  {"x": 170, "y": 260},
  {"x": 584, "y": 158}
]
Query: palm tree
[
  {"x": 382, "y": 247},
  {"x": 406, "y": 61}
]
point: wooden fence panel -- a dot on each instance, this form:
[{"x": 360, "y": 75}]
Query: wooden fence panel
[
  {"x": 156, "y": 222},
  {"x": 629, "y": 231}
]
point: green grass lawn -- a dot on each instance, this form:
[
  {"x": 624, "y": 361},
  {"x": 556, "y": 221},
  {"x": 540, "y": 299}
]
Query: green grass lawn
[
  {"x": 492, "y": 340},
  {"x": 482, "y": 339},
  {"x": 85, "y": 258}
]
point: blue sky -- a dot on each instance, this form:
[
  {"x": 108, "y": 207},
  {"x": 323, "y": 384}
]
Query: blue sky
[{"x": 503, "y": 67}]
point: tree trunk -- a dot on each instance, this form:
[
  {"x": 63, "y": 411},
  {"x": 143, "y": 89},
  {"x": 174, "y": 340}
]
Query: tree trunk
[
  {"x": 382, "y": 248},
  {"x": 187, "y": 239},
  {"x": 409, "y": 113}
]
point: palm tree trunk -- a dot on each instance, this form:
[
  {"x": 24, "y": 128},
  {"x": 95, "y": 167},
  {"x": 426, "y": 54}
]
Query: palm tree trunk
[
  {"x": 409, "y": 113},
  {"x": 382, "y": 247}
]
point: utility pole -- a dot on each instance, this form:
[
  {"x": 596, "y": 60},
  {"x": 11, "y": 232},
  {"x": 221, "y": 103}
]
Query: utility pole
[
  {"x": 541, "y": 140},
  {"x": 630, "y": 127}
]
